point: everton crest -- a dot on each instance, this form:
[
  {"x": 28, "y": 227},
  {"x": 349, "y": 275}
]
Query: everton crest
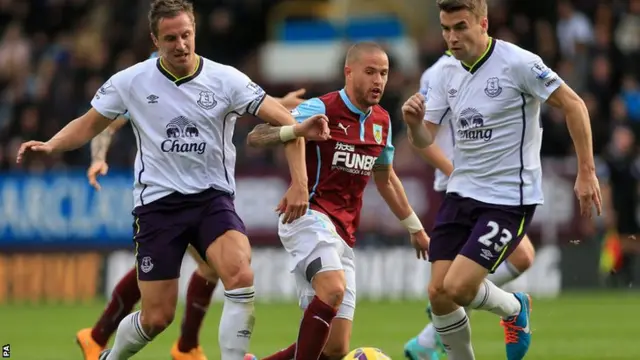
[
  {"x": 493, "y": 87},
  {"x": 377, "y": 133},
  {"x": 207, "y": 100}
]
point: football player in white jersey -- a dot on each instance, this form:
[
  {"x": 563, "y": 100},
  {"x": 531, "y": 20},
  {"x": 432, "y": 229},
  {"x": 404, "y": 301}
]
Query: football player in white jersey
[
  {"x": 183, "y": 110},
  {"x": 126, "y": 294},
  {"x": 493, "y": 91},
  {"x": 427, "y": 345}
]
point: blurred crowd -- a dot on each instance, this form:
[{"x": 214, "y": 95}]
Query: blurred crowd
[{"x": 54, "y": 54}]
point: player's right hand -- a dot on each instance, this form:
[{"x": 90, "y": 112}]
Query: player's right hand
[
  {"x": 314, "y": 128},
  {"x": 413, "y": 110},
  {"x": 97, "y": 168},
  {"x": 420, "y": 241},
  {"x": 35, "y": 146},
  {"x": 587, "y": 189},
  {"x": 294, "y": 204}
]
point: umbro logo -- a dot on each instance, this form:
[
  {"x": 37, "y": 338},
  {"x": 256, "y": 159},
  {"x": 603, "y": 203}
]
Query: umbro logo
[
  {"x": 453, "y": 93},
  {"x": 152, "y": 99}
]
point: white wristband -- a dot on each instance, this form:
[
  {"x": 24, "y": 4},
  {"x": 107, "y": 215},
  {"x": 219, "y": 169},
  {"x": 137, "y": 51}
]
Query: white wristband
[
  {"x": 412, "y": 223},
  {"x": 287, "y": 133}
]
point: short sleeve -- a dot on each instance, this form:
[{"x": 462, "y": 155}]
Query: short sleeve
[
  {"x": 436, "y": 105},
  {"x": 108, "y": 99},
  {"x": 533, "y": 77},
  {"x": 308, "y": 108},
  {"x": 424, "y": 83},
  {"x": 245, "y": 96},
  {"x": 386, "y": 158}
]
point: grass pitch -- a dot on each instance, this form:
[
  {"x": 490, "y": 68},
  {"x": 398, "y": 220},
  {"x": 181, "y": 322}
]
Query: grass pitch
[{"x": 573, "y": 327}]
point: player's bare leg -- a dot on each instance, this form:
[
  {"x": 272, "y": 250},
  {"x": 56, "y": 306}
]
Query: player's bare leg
[
  {"x": 467, "y": 285},
  {"x": 317, "y": 322},
  {"x": 426, "y": 345},
  {"x": 449, "y": 319},
  {"x": 230, "y": 254},
  {"x": 201, "y": 287},
  {"x": 123, "y": 298},
  {"x": 136, "y": 330}
]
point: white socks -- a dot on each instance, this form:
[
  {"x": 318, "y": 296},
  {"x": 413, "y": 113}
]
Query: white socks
[
  {"x": 130, "y": 338},
  {"x": 455, "y": 332},
  {"x": 236, "y": 323},
  {"x": 493, "y": 299},
  {"x": 503, "y": 274}
]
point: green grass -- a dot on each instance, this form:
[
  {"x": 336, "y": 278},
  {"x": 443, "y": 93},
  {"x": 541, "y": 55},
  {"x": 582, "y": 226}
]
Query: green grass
[{"x": 573, "y": 327}]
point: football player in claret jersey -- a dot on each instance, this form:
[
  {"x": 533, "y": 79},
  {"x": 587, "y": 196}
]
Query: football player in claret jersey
[
  {"x": 493, "y": 90},
  {"x": 183, "y": 110},
  {"x": 427, "y": 344},
  {"x": 321, "y": 242},
  {"x": 126, "y": 293}
]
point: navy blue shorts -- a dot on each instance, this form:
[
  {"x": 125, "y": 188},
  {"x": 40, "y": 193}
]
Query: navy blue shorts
[
  {"x": 484, "y": 233},
  {"x": 164, "y": 228}
]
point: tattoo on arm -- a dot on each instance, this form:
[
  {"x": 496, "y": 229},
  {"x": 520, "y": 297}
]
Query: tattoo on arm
[
  {"x": 100, "y": 145},
  {"x": 264, "y": 135}
]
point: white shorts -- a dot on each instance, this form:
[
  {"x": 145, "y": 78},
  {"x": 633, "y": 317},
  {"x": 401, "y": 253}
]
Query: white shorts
[{"x": 312, "y": 241}]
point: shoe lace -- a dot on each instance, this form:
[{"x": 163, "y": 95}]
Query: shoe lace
[{"x": 511, "y": 331}]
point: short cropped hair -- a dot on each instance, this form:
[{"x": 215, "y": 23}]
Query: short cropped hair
[
  {"x": 161, "y": 9},
  {"x": 357, "y": 49},
  {"x": 476, "y": 7}
]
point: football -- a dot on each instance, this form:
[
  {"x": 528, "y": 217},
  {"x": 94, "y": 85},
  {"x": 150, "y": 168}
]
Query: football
[{"x": 366, "y": 353}]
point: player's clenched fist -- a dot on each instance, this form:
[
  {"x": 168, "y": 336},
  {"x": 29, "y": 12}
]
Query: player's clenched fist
[
  {"x": 413, "y": 110},
  {"x": 36, "y": 146},
  {"x": 97, "y": 168},
  {"x": 315, "y": 128}
]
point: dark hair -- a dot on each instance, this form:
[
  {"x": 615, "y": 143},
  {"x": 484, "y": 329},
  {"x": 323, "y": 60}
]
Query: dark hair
[
  {"x": 161, "y": 9},
  {"x": 476, "y": 7}
]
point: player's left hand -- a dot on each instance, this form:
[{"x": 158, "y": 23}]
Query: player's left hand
[
  {"x": 293, "y": 99},
  {"x": 587, "y": 189},
  {"x": 294, "y": 204},
  {"x": 35, "y": 146},
  {"x": 420, "y": 242}
]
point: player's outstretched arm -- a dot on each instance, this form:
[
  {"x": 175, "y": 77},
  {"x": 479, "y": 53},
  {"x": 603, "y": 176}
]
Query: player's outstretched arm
[
  {"x": 76, "y": 134},
  {"x": 587, "y": 187},
  {"x": 434, "y": 156},
  {"x": 392, "y": 191},
  {"x": 310, "y": 122}
]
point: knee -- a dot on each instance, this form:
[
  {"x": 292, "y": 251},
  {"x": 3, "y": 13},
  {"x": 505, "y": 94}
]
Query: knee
[
  {"x": 329, "y": 287},
  {"x": 439, "y": 299},
  {"x": 156, "y": 319},
  {"x": 207, "y": 272},
  {"x": 336, "y": 351},
  {"x": 461, "y": 293},
  {"x": 523, "y": 256},
  {"x": 239, "y": 277}
]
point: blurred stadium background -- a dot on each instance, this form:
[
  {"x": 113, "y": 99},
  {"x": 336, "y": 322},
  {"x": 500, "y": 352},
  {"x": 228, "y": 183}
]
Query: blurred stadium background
[{"x": 63, "y": 246}]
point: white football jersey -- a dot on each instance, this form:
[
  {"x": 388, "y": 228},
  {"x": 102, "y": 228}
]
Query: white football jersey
[
  {"x": 495, "y": 107},
  {"x": 445, "y": 139},
  {"x": 183, "y": 127}
]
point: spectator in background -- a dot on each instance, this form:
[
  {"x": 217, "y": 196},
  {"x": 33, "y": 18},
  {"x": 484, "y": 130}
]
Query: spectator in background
[{"x": 624, "y": 172}]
